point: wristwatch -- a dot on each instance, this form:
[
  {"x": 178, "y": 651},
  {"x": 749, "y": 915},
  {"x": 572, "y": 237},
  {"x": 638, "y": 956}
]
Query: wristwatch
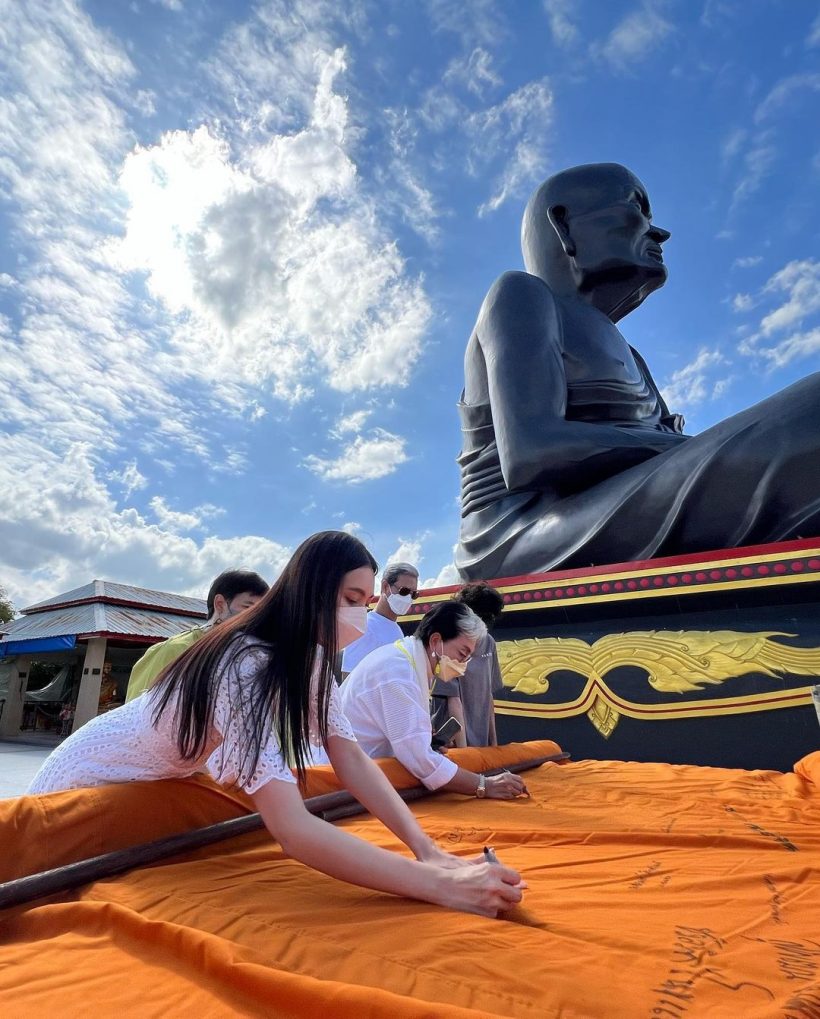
[{"x": 481, "y": 791}]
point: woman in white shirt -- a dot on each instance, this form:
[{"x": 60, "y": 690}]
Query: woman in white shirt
[
  {"x": 386, "y": 699},
  {"x": 263, "y": 681}
]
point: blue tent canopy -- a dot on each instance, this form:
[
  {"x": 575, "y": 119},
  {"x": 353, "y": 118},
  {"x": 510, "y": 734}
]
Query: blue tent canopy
[{"x": 36, "y": 644}]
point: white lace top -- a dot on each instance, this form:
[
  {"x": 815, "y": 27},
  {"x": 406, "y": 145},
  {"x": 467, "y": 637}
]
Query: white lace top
[{"x": 125, "y": 746}]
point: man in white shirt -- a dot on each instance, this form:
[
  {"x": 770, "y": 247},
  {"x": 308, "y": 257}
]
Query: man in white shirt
[{"x": 400, "y": 586}]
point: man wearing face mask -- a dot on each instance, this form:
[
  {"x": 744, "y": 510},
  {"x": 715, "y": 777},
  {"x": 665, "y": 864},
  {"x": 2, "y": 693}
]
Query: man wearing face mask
[
  {"x": 400, "y": 583},
  {"x": 386, "y": 699},
  {"x": 231, "y": 593}
]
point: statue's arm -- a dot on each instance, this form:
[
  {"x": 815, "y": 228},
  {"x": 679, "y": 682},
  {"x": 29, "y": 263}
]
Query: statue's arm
[{"x": 519, "y": 333}]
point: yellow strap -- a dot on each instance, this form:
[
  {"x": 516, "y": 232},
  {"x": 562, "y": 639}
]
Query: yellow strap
[{"x": 412, "y": 661}]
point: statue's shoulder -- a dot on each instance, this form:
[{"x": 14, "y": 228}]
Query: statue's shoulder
[
  {"x": 516, "y": 283},
  {"x": 515, "y": 299}
]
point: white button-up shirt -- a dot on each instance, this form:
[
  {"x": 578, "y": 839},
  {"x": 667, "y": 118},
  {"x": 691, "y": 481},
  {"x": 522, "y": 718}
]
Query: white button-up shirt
[{"x": 386, "y": 700}]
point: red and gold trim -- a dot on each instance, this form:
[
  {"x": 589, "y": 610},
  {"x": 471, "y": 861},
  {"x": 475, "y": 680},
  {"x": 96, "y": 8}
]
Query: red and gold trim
[{"x": 792, "y": 562}]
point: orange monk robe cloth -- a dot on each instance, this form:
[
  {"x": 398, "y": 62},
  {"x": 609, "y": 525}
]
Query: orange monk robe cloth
[{"x": 654, "y": 890}]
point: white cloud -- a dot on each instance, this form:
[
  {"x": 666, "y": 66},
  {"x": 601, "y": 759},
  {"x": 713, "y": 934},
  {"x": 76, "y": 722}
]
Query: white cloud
[
  {"x": 814, "y": 33},
  {"x": 506, "y": 141},
  {"x": 240, "y": 250},
  {"x": 447, "y": 576},
  {"x": 691, "y": 385},
  {"x": 60, "y": 528},
  {"x": 757, "y": 163},
  {"x": 401, "y": 183},
  {"x": 480, "y": 22},
  {"x": 797, "y": 288},
  {"x": 760, "y": 148},
  {"x": 783, "y": 94},
  {"x": 365, "y": 459},
  {"x": 715, "y": 11},
  {"x": 742, "y": 302},
  {"x": 520, "y": 123},
  {"x": 69, "y": 84},
  {"x": 354, "y": 422},
  {"x": 130, "y": 478},
  {"x": 267, "y": 266},
  {"x": 409, "y": 550},
  {"x": 563, "y": 29},
  {"x": 144, "y": 100},
  {"x": 733, "y": 143},
  {"x": 800, "y": 281},
  {"x": 794, "y": 347},
  {"x": 475, "y": 72},
  {"x": 352, "y": 527},
  {"x": 235, "y": 237},
  {"x": 179, "y": 521},
  {"x": 747, "y": 262},
  {"x": 634, "y": 38}
]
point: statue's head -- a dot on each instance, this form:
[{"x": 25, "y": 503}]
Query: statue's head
[{"x": 589, "y": 229}]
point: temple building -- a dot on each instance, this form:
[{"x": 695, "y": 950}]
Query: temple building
[{"x": 69, "y": 658}]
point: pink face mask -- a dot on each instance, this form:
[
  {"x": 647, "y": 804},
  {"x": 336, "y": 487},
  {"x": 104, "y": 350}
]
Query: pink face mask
[{"x": 351, "y": 623}]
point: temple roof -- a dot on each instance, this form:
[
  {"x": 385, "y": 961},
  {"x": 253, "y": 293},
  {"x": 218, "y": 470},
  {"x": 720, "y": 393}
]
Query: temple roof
[{"x": 104, "y": 608}]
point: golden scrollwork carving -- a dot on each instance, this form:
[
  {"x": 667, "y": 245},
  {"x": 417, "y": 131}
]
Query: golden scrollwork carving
[
  {"x": 603, "y": 716},
  {"x": 675, "y": 662}
]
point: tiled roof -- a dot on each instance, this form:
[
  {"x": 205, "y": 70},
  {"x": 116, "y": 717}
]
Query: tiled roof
[
  {"x": 96, "y": 618},
  {"x": 108, "y": 591}
]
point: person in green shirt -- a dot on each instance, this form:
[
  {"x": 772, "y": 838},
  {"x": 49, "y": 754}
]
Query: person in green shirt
[{"x": 231, "y": 593}]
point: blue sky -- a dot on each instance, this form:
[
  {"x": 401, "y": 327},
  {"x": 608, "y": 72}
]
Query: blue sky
[{"x": 243, "y": 247}]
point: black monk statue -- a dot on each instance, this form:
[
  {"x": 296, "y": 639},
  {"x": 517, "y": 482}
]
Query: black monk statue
[{"x": 570, "y": 456}]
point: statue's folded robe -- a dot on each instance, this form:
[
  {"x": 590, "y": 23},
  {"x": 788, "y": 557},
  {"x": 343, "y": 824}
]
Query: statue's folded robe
[{"x": 651, "y": 887}]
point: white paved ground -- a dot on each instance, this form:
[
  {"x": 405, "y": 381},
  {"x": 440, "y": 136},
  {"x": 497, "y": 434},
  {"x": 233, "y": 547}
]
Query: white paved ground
[{"x": 18, "y": 765}]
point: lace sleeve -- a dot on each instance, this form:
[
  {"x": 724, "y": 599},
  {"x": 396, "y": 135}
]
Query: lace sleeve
[
  {"x": 337, "y": 723},
  {"x": 232, "y": 762}
]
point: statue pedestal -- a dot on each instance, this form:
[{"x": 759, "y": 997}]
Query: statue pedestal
[{"x": 704, "y": 659}]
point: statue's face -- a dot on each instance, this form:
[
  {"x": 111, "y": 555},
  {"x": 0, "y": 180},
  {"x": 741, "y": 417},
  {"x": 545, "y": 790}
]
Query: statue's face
[{"x": 614, "y": 235}]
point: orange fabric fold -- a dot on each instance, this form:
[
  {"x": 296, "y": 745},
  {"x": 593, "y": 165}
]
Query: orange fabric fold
[
  {"x": 59, "y": 828},
  {"x": 654, "y": 890}
]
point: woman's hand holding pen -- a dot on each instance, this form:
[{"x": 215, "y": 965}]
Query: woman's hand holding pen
[
  {"x": 487, "y": 889},
  {"x": 441, "y": 858},
  {"x": 505, "y": 786}
]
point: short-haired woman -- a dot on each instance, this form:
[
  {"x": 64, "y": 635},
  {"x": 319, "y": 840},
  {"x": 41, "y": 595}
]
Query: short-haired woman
[
  {"x": 262, "y": 682},
  {"x": 386, "y": 699}
]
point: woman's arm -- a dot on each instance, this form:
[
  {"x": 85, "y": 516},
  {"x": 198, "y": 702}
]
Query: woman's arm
[
  {"x": 456, "y": 709},
  {"x": 360, "y": 776},
  {"x": 485, "y": 889},
  {"x": 505, "y": 786}
]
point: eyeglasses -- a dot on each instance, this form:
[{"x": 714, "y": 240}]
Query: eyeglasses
[{"x": 404, "y": 591}]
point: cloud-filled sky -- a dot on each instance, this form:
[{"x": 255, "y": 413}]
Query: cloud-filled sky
[{"x": 242, "y": 247}]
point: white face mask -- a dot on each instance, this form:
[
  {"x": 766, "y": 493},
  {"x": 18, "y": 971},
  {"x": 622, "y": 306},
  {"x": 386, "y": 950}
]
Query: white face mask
[
  {"x": 351, "y": 623},
  {"x": 399, "y": 603}
]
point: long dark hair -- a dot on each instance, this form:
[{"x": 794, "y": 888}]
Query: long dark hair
[{"x": 295, "y": 617}]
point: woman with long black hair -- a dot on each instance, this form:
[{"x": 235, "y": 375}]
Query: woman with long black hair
[{"x": 258, "y": 690}]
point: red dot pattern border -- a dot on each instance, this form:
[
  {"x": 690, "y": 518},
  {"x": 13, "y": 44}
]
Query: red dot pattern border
[{"x": 748, "y": 573}]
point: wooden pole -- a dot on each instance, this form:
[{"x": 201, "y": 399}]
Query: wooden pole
[{"x": 330, "y": 807}]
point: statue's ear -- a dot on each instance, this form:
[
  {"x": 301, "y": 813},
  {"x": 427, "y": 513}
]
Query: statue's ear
[{"x": 557, "y": 215}]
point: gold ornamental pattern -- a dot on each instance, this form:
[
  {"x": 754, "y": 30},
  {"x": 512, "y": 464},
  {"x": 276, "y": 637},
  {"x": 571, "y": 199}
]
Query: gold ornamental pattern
[{"x": 675, "y": 662}]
